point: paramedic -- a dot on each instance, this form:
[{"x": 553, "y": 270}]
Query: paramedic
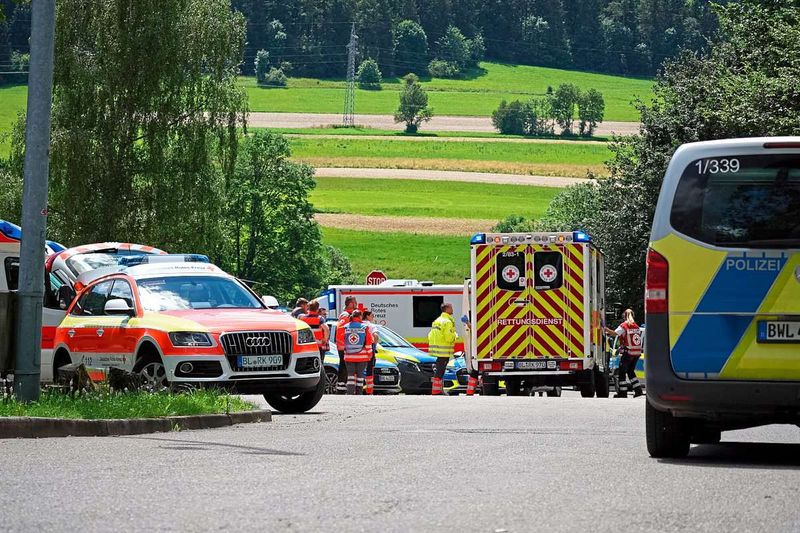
[
  {"x": 369, "y": 384},
  {"x": 350, "y": 305},
  {"x": 630, "y": 336},
  {"x": 357, "y": 352},
  {"x": 318, "y": 326},
  {"x": 301, "y": 308},
  {"x": 441, "y": 340}
]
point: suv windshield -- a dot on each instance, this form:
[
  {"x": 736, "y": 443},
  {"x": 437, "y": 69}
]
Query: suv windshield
[
  {"x": 390, "y": 339},
  {"x": 174, "y": 293},
  {"x": 740, "y": 201}
]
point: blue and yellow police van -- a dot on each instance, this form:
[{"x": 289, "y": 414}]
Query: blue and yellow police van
[{"x": 722, "y": 294}]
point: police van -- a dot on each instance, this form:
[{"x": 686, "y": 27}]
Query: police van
[{"x": 723, "y": 293}]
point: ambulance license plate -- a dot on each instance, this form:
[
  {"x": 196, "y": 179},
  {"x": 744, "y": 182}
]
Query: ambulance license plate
[
  {"x": 258, "y": 361},
  {"x": 531, "y": 365},
  {"x": 778, "y": 331}
]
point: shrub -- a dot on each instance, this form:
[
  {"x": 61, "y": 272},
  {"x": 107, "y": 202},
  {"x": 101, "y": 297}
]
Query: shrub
[
  {"x": 410, "y": 46},
  {"x": 563, "y": 103},
  {"x": 591, "y": 109},
  {"x": 275, "y": 78},
  {"x": 369, "y": 75},
  {"x": 454, "y": 48},
  {"x": 262, "y": 66},
  {"x": 439, "y": 68},
  {"x": 511, "y": 119}
]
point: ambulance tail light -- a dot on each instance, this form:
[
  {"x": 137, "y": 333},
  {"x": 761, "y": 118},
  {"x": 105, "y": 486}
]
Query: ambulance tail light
[
  {"x": 491, "y": 366},
  {"x": 657, "y": 284},
  {"x": 570, "y": 365}
]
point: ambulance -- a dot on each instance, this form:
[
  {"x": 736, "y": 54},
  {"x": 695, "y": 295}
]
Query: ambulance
[
  {"x": 534, "y": 303},
  {"x": 722, "y": 293},
  {"x": 408, "y": 307}
]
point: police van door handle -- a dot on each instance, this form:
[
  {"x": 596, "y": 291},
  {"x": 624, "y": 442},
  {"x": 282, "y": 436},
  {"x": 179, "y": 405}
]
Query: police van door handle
[{"x": 100, "y": 332}]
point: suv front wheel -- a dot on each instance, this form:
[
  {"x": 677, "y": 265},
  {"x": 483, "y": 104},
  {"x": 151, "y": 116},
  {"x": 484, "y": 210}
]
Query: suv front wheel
[{"x": 291, "y": 404}]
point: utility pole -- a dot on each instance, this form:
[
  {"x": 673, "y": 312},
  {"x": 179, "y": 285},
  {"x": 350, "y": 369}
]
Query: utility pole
[
  {"x": 350, "y": 95},
  {"x": 34, "y": 201}
]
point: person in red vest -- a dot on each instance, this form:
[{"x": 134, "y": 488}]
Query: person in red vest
[
  {"x": 369, "y": 384},
  {"x": 357, "y": 352},
  {"x": 631, "y": 341},
  {"x": 318, "y": 326},
  {"x": 350, "y": 305}
]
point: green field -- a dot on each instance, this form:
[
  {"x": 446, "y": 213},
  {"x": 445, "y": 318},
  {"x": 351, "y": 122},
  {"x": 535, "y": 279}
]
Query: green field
[
  {"x": 366, "y": 131},
  {"x": 12, "y": 101},
  {"x": 477, "y": 95},
  {"x": 548, "y": 159},
  {"x": 429, "y": 198},
  {"x": 403, "y": 255}
]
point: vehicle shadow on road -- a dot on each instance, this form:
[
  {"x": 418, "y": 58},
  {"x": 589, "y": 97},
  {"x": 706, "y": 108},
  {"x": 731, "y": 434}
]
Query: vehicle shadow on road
[{"x": 775, "y": 456}]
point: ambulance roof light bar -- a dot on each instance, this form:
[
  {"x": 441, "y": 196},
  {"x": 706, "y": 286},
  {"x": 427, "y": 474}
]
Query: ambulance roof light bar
[
  {"x": 478, "y": 238},
  {"x": 581, "y": 236},
  {"x": 135, "y": 260}
]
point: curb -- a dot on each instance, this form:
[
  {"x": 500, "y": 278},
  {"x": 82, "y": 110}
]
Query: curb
[{"x": 33, "y": 428}]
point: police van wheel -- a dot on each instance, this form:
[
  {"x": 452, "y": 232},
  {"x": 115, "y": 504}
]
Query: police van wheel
[
  {"x": 292, "y": 404},
  {"x": 667, "y": 436}
]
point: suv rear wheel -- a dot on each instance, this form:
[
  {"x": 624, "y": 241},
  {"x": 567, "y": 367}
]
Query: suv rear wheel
[
  {"x": 292, "y": 404},
  {"x": 667, "y": 436}
]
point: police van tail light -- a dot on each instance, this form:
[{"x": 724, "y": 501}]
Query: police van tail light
[{"x": 656, "y": 287}]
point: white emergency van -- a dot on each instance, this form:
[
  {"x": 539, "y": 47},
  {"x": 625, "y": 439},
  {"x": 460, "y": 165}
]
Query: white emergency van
[{"x": 408, "y": 307}]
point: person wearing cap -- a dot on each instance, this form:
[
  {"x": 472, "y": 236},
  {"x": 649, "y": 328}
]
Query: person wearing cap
[
  {"x": 441, "y": 340},
  {"x": 301, "y": 308}
]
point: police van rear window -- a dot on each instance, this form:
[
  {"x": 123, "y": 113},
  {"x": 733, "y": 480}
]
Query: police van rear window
[{"x": 740, "y": 201}]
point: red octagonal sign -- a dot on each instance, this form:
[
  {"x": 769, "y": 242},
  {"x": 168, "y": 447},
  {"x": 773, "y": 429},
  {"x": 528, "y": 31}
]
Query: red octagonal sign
[{"x": 376, "y": 277}]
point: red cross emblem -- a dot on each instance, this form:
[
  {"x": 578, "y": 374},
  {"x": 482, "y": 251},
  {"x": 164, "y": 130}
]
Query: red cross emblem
[{"x": 548, "y": 273}]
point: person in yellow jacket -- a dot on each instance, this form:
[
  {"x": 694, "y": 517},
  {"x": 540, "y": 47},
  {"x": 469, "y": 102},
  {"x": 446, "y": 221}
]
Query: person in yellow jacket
[{"x": 441, "y": 340}]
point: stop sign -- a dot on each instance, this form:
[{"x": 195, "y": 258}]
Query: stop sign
[{"x": 376, "y": 277}]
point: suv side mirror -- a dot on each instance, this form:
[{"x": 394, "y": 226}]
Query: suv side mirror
[{"x": 118, "y": 306}]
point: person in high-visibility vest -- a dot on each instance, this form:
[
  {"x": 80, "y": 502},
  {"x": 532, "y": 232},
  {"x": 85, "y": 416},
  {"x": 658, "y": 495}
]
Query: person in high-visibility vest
[
  {"x": 441, "y": 340},
  {"x": 318, "y": 326},
  {"x": 631, "y": 339},
  {"x": 369, "y": 380},
  {"x": 357, "y": 352},
  {"x": 350, "y": 305}
]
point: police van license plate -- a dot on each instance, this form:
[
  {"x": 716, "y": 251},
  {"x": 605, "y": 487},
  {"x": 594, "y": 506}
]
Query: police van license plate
[
  {"x": 779, "y": 331},
  {"x": 257, "y": 361}
]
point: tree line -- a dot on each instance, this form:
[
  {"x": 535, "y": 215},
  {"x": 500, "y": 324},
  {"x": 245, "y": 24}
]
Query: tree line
[{"x": 309, "y": 37}]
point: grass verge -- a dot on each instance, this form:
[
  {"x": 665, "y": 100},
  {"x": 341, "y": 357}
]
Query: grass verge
[
  {"x": 126, "y": 405},
  {"x": 12, "y": 102},
  {"x": 438, "y": 258},
  {"x": 418, "y": 198},
  {"x": 362, "y": 131}
]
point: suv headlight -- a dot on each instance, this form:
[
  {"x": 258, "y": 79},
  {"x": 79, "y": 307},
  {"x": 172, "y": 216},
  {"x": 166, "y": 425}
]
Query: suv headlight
[
  {"x": 305, "y": 336},
  {"x": 408, "y": 365},
  {"x": 189, "y": 338}
]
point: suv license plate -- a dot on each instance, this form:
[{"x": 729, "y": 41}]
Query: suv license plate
[
  {"x": 778, "y": 331},
  {"x": 255, "y": 361},
  {"x": 390, "y": 379}
]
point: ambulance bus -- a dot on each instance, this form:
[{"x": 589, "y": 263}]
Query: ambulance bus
[
  {"x": 723, "y": 293},
  {"x": 534, "y": 305},
  {"x": 408, "y": 307}
]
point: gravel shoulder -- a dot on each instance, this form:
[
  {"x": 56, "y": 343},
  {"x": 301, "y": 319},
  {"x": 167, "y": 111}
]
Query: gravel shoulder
[{"x": 447, "y": 175}]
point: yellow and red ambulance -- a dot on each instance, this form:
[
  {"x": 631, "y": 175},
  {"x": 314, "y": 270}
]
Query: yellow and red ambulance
[
  {"x": 723, "y": 293},
  {"x": 191, "y": 323},
  {"x": 535, "y": 308}
]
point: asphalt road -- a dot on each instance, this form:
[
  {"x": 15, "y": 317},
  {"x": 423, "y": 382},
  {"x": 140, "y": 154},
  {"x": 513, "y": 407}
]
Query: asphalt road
[{"x": 408, "y": 464}]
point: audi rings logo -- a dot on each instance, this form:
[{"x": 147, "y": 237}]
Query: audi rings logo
[{"x": 258, "y": 342}]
